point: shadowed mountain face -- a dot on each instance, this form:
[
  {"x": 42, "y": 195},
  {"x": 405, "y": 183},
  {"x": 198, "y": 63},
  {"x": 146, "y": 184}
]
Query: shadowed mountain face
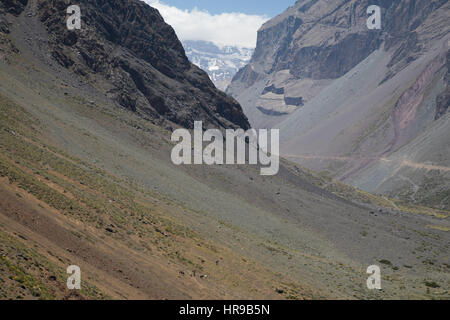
[
  {"x": 365, "y": 94},
  {"x": 140, "y": 60},
  {"x": 326, "y": 39},
  {"x": 86, "y": 176}
]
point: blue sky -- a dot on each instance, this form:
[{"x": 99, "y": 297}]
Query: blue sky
[
  {"x": 225, "y": 23},
  {"x": 254, "y": 7}
]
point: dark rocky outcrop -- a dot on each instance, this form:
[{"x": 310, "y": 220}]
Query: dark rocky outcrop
[
  {"x": 14, "y": 7},
  {"x": 334, "y": 61},
  {"x": 141, "y": 60},
  {"x": 273, "y": 89},
  {"x": 294, "y": 101}
]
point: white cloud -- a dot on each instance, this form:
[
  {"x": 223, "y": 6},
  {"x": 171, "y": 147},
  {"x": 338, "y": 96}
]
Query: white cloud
[{"x": 225, "y": 29}]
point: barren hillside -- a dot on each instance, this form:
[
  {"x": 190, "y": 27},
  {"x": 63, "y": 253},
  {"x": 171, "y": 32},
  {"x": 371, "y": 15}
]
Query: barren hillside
[{"x": 87, "y": 180}]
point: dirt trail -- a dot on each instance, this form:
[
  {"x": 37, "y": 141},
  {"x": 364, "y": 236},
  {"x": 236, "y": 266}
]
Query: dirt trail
[
  {"x": 404, "y": 163},
  {"x": 424, "y": 166}
]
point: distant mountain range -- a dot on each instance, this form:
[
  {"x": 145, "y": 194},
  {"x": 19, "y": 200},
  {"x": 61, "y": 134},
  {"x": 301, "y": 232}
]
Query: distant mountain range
[{"x": 221, "y": 63}]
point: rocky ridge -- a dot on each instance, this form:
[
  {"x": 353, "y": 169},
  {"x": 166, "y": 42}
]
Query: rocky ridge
[
  {"x": 138, "y": 61},
  {"x": 316, "y": 41}
]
